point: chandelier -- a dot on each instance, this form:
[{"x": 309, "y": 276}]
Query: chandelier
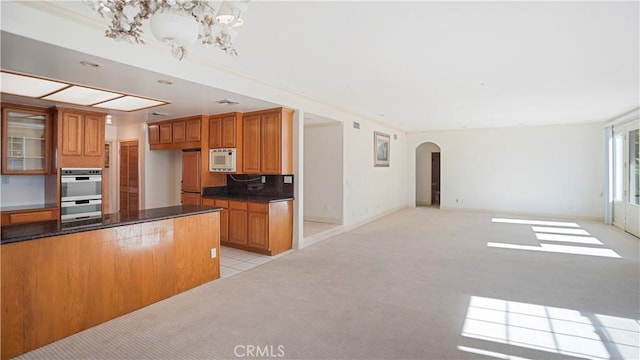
[{"x": 178, "y": 23}]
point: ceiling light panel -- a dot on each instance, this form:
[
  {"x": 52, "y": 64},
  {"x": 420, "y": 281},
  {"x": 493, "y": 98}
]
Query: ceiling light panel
[
  {"x": 81, "y": 95},
  {"x": 130, "y": 103},
  {"x": 28, "y": 86}
]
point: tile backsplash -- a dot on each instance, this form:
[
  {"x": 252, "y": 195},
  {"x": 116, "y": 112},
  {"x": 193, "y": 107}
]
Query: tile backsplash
[{"x": 249, "y": 184}]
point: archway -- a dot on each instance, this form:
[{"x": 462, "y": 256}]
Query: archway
[{"x": 428, "y": 174}]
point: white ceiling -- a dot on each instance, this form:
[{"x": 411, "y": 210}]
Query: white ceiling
[{"x": 414, "y": 65}]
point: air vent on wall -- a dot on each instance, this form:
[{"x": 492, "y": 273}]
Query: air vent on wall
[
  {"x": 227, "y": 102},
  {"x": 157, "y": 113}
]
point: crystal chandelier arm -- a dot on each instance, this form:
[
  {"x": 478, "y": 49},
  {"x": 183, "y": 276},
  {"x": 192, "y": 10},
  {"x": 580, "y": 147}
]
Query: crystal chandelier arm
[{"x": 126, "y": 18}]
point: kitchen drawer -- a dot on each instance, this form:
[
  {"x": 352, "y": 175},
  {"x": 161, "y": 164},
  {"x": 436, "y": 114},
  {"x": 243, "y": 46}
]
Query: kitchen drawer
[
  {"x": 259, "y": 207},
  {"x": 238, "y": 205},
  {"x": 22, "y": 217},
  {"x": 222, "y": 203},
  {"x": 208, "y": 202}
]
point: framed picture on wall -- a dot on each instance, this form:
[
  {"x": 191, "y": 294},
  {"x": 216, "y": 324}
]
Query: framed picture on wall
[{"x": 381, "y": 145}]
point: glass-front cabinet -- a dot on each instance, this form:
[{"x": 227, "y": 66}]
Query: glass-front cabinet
[{"x": 25, "y": 140}]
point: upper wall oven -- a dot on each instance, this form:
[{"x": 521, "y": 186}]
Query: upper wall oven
[{"x": 80, "y": 184}]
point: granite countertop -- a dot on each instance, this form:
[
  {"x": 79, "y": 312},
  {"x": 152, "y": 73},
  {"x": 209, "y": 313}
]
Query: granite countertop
[
  {"x": 32, "y": 231},
  {"x": 250, "y": 198},
  {"x": 28, "y": 207}
]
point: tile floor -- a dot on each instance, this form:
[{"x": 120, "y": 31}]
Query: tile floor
[{"x": 234, "y": 261}]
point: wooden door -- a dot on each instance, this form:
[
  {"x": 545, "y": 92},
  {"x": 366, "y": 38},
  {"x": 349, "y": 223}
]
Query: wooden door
[
  {"x": 72, "y": 133},
  {"x": 192, "y": 130},
  {"x": 191, "y": 171},
  {"x": 251, "y": 144},
  {"x": 229, "y": 132},
  {"x": 258, "y": 230},
  {"x": 93, "y": 135},
  {"x": 435, "y": 178},
  {"x": 179, "y": 132},
  {"x": 129, "y": 187},
  {"x": 154, "y": 134},
  {"x": 271, "y": 144},
  {"x": 165, "y": 133},
  {"x": 215, "y": 133},
  {"x": 191, "y": 199},
  {"x": 238, "y": 226}
]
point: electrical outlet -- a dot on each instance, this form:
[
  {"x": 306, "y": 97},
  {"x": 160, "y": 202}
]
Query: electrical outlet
[
  {"x": 288, "y": 179},
  {"x": 214, "y": 253},
  {"x": 264, "y": 179}
]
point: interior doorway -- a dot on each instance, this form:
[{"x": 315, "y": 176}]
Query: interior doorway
[
  {"x": 129, "y": 184},
  {"x": 435, "y": 178},
  {"x": 428, "y": 175},
  {"x": 323, "y": 177}
]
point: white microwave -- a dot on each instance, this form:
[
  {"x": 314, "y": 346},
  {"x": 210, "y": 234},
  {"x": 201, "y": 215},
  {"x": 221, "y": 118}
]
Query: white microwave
[{"x": 222, "y": 160}]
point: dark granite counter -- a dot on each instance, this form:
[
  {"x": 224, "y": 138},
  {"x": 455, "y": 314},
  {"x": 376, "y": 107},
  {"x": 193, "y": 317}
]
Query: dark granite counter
[
  {"x": 32, "y": 231},
  {"x": 28, "y": 207},
  {"x": 250, "y": 198}
]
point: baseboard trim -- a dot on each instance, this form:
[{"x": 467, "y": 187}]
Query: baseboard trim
[
  {"x": 525, "y": 213},
  {"x": 323, "y": 220}
]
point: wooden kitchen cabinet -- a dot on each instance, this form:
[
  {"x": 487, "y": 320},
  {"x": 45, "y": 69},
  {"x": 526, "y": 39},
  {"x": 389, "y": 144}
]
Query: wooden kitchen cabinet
[
  {"x": 80, "y": 138},
  {"x": 268, "y": 142},
  {"x": 225, "y": 130},
  {"x": 190, "y": 199},
  {"x": 154, "y": 134},
  {"x": 183, "y": 133},
  {"x": 237, "y": 222},
  {"x": 166, "y": 133},
  {"x": 26, "y": 140},
  {"x": 258, "y": 226},
  {"x": 266, "y": 228},
  {"x": 191, "y": 171},
  {"x": 193, "y": 129},
  {"x": 178, "y": 132},
  {"x": 251, "y": 140}
]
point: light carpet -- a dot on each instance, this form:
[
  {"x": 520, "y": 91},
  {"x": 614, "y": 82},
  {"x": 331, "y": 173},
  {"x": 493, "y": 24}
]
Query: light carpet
[{"x": 418, "y": 284}]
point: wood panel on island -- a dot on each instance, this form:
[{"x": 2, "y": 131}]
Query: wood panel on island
[{"x": 56, "y": 286}]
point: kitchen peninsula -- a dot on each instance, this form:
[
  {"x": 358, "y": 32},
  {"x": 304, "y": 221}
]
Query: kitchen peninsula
[{"x": 61, "y": 278}]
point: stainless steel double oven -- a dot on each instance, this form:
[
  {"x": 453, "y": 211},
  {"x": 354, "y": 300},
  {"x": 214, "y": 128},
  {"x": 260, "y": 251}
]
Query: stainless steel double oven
[{"x": 81, "y": 193}]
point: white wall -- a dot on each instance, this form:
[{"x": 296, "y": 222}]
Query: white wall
[
  {"x": 423, "y": 172},
  {"x": 369, "y": 190},
  {"x": 546, "y": 170},
  {"x": 21, "y": 190},
  {"x": 323, "y": 173}
]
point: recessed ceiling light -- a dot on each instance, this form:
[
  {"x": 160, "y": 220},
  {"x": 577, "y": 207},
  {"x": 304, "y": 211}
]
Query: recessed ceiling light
[
  {"x": 81, "y": 95},
  {"x": 165, "y": 82},
  {"x": 129, "y": 103},
  {"x": 28, "y": 86},
  {"x": 227, "y": 102},
  {"x": 90, "y": 64}
]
